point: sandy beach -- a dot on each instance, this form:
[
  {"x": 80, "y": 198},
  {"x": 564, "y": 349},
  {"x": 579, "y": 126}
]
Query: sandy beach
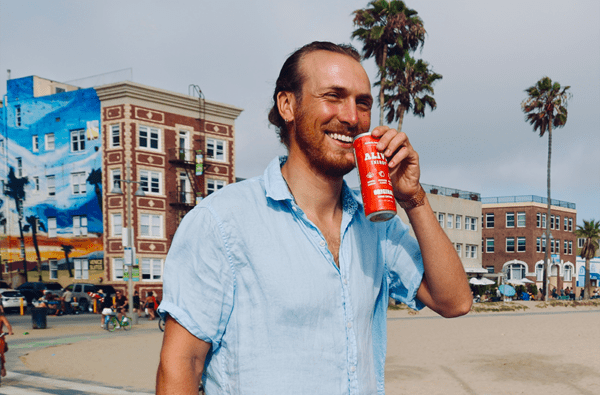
[{"x": 532, "y": 350}]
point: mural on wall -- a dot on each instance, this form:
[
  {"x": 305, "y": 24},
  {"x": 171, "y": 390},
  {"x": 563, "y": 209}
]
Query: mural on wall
[{"x": 52, "y": 178}]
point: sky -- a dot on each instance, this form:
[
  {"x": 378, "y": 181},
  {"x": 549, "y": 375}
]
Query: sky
[{"x": 488, "y": 53}]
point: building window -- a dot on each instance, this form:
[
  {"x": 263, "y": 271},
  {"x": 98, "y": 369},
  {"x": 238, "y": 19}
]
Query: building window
[
  {"x": 78, "y": 140},
  {"x": 51, "y": 226},
  {"x": 115, "y": 177},
  {"x": 459, "y": 249},
  {"x": 510, "y": 220},
  {"x": 489, "y": 245},
  {"x": 35, "y": 143},
  {"x": 570, "y": 224},
  {"x": 51, "y": 185},
  {"x": 149, "y": 137},
  {"x": 117, "y": 224},
  {"x": 19, "y": 167},
  {"x": 150, "y": 181},
  {"x": 36, "y": 183},
  {"x": 473, "y": 223},
  {"x": 558, "y": 246},
  {"x": 566, "y": 224},
  {"x": 538, "y": 244},
  {"x": 81, "y": 269},
  {"x": 215, "y": 150},
  {"x": 568, "y": 273},
  {"x": 118, "y": 268},
  {"x": 539, "y": 272},
  {"x": 570, "y": 248},
  {"x": 115, "y": 136},
  {"x": 521, "y": 244},
  {"x": 53, "y": 269},
  {"x": 213, "y": 185},
  {"x": 552, "y": 246},
  {"x": 18, "y": 115},
  {"x": 151, "y": 225},
  {"x": 78, "y": 182},
  {"x": 49, "y": 141},
  {"x": 510, "y": 244},
  {"x": 521, "y": 220},
  {"x": 552, "y": 221},
  {"x": 544, "y": 221},
  {"x": 152, "y": 269},
  {"x": 470, "y": 251},
  {"x": 538, "y": 220},
  {"x": 458, "y": 221},
  {"x": 580, "y": 242},
  {"x": 80, "y": 225},
  {"x": 516, "y": 271},
  {"x": 450, "y": 222},
  {"x": 184, "y": 145},
  {"x": 489, "y": 220},
  {"x": 441, "y": 219},
  {"x": 557, "y": 223}
]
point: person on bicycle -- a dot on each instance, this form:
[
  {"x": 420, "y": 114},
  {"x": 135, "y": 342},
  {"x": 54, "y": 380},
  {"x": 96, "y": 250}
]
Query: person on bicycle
[
  {"x": 122, "y": 305},
  {"x": 3, "y": 347},
  {"x": 106, "y": 308}
]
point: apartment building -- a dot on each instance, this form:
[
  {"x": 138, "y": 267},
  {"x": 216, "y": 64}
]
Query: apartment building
[
  {"x": 458, "y": 213},
  {"x": 514, "y": 239}
]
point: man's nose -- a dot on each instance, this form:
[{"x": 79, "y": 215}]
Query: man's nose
[{"x": 349, "y": 113}]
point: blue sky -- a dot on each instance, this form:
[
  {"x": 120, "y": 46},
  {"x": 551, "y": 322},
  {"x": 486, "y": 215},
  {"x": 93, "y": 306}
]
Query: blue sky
[{"x": 488, "y": 53}]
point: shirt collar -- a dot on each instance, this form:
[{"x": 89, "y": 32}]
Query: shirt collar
[{"x": 276, "y": 188}]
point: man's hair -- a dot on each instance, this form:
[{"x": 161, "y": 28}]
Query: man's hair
[{"x": 291, "y": 79}]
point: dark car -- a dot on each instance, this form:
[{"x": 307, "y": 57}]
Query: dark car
[
  {"x": 81, "y": 292},
  {"x": 35, "y": 290}
]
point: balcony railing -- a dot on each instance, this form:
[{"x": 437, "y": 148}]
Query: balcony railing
[
  {"x": 527, "y": 199},
  {"x": 182, "y": 155}
]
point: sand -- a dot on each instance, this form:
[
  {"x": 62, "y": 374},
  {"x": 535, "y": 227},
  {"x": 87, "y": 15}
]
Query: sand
[{"x": 551, "y": 350}]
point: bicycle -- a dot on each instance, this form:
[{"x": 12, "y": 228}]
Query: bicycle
[
  {"x": 112, "y": 322},
  {"x": 3, "y": 349},
  {"x": 162, "y": 318}
]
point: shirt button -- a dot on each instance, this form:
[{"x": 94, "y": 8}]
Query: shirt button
[
  {"x": 294, "y": 208},
  {"x": 322, "y": 243},
  {"x": 346, "y": 281},
  {"x": 353, "y": 368},
  {"x": 349, "y": 325}
]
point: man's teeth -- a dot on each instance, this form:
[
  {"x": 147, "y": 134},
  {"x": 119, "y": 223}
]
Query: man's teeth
[{"x": 341, "y": 137}]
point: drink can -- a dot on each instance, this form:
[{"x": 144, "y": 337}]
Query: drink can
[{"x": 374, "y": 175}]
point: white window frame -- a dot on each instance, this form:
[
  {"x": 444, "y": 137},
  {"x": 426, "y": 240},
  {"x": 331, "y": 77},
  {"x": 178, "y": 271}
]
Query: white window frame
[
  {"x": 521, "y": 219},
  {"x": 543, "y": 221},
  {"x": 538, "y": 219},
  {"x": 489, "y": 220},
  {"x": 570, "y": 224},
  {"x": 570, "y": 248},
  {"x": 152, "y": 134},
  {"x": 118, "y": 267},
  {"x": 524, "y": 240},
  {"x": 450, "y": 221},
  {"x": 115, "y": 131},
  {"x": 566, "y": 223},
  {"x": 489, "y": 243},
  {"x": 539, "y": 272},
  {"x": 557, "y": 222},
  {"x": 77, "y": 140},
  {"x": 216, "y": 150},
  {"x": 510, "y": 219},
  {"x": 459, "y": 249},
  {"x": 116, "y": 224},
  {"x": 473, "y": 224},
  {"x": 151, "y": 269},
  {"x": 78, "y": 183},
  {"x": 51, "y": 227},
  {"x": 458, "y": 224},
  {"x": 580, "y": 242},
  {"x": 151, "y": 225},
  {"x": 35, "y": 143},
  {"x": 516, "y": 271},
  {"x": 53, "y": 269},
  {"x": 213, "y": 185},
  {"x": 82, "y": 269},
  {"x": 51, "y": 185},
  {"x": 49, "y": 142},
  {"x": 36, "y": 184},
  {"x": 151, "y": 182},
  {"x": 80, "y": 225},
  {"x": 568, "y": 273},
  {"x": 552, "y": 221},
  {"x": 441, "y": 219},
  {"x": 184, "y": 145},
  {"x": 508, "y": 245}
]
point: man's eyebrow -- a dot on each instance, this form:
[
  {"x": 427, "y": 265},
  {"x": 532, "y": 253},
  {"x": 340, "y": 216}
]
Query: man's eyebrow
[{"x": 341, "y": 89}]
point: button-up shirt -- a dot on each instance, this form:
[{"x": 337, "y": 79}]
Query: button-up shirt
[{"x": 250, "y": 274}]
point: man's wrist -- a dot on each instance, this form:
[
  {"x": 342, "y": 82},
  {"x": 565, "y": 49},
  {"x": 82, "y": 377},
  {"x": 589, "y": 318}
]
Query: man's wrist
[{"x": 416, "y": 200}]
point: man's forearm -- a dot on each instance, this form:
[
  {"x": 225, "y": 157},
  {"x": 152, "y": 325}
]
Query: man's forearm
[
  {"x": 445, "y": 288},
  {"x": 177, "y": 378}
]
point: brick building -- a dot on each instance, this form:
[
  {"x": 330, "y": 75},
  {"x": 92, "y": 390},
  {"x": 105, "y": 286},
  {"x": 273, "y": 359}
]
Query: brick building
[{"x": 514, "y": 240}]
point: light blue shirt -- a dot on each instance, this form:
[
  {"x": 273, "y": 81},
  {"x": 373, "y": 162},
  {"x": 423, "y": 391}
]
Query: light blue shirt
[{"x": 249, "y": 273}]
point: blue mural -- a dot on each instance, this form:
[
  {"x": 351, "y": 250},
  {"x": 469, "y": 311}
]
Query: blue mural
[{"x": 53, "y": 141}]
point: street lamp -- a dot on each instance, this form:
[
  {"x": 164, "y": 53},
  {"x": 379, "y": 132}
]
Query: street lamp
[{"x": 140, "y": 192}]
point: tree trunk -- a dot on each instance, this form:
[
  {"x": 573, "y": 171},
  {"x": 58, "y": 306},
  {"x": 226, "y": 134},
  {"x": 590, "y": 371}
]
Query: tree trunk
[
  {"x": 548, "y": 238},
  {"x": 98, "y": 196},
  {"x": 588, "y": 284},
  {"x": 68, "y": 265},
  {"x": 37, "y": 252},
  {"x": 23, "y": 249},
  {"x": 381, "y": 90},
  {"x": 402, "y": 111}
]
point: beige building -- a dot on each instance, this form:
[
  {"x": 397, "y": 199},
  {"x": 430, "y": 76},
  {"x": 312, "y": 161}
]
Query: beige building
[{"x": 458, "y": 213}]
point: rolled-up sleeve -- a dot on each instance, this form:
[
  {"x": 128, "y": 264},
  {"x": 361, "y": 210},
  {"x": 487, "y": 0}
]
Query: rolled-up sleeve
[
  {"x": 404, "y": 264},
  {"x": 198, "y": 281}
]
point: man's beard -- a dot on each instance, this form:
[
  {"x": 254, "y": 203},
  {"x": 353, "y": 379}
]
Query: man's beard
[{"x": 329, "y": 163}]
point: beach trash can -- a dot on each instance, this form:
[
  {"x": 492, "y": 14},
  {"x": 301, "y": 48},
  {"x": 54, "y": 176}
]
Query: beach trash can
[{"x": 38, "y": 317}]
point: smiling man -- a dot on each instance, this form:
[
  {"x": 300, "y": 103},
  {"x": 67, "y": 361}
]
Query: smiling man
[{"x": 279, "y": 284}]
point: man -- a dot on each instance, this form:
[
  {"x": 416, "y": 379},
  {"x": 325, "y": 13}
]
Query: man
[
  {"x": 121, "y": 304},
  {"x": 279, "y": 284},
  {"x": 3, "y": 347}
]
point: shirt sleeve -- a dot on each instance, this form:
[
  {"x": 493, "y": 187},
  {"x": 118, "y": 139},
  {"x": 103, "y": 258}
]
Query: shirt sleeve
[
  {"x": 404, "y": 264},
  {"x": 198, "y": 279}
]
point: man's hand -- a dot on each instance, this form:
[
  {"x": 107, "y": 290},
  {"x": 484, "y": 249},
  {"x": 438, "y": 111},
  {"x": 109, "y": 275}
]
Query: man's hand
[{"x": 403, "y": 161}]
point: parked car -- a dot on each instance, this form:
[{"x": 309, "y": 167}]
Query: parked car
[
  {"x": 81, "y": 292},
  {"x": 5, "y": 287},
  {"x": 11, "y": 300},
  {"x": 35, "y": 290}
]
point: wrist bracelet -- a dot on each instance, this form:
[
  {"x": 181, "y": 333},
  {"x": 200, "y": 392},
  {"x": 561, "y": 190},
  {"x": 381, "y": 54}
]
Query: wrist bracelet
[{"x": 415, "y": 201}]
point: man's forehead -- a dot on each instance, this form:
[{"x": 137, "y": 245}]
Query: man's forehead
[{"x": 333, "y": 68}]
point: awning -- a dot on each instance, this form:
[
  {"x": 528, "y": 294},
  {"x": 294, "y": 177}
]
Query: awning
[{"x": 475, "y": 270}]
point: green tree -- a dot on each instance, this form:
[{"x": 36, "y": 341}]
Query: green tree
[
  {"x": 408, "y": 86},
  {"x": 33, "y": 222},
  {"x": 590, "y": 231},
  {"x": 15, "y": 189},
  {"x": 545, "y": 108},
  {"x": 67, "y": 250},
  {"x": 95, "y": 179},
  {"x": 386, "y": 25}
]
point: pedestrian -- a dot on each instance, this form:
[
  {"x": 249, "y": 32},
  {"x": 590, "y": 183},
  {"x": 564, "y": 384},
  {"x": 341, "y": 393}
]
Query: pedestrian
[
  {"x": 151, "y": 305},
  {"x": 280, "y": 284},
  {"x": 136, "y": 303},
  {"x": 3, "y": 346},
  {"x": 66, "y": 299}
]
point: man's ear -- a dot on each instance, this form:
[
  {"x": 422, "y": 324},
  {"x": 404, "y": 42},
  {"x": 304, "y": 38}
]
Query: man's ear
[{"x": 286, "y": 103}]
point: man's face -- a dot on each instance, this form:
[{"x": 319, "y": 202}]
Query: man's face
[{"x": 335, "y": 106}]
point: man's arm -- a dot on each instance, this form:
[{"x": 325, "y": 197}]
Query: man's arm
[
  {"x": 444, "y": 288},
  {"x": 181, "y": 361}
]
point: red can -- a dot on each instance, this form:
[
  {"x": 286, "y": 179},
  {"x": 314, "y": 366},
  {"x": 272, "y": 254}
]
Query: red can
[{"x": 374, "y": 175}]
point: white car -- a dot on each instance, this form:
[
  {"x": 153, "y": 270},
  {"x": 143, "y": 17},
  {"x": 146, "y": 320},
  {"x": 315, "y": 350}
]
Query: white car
[{"x": 11, "y": 300}]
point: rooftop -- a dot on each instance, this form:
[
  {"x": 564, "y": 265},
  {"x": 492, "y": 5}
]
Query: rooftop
[
  {"x": 457, "y": 193},
  {"x": 527, "y": 199}
]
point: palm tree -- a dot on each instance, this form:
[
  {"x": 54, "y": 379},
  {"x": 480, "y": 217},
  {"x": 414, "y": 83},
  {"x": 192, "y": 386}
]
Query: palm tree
[
  {"x": 590, "y": 231},
  {"x": 408, "y": 85},
  {"x": 33, "y": 222},
  {"x": 67, "y": 250},
  {"x": 95, "y": 178},
  {"x": 385, "y": 25},
  {"x": 15, "y": 189},
  {"x": 546, "y": 107}
]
